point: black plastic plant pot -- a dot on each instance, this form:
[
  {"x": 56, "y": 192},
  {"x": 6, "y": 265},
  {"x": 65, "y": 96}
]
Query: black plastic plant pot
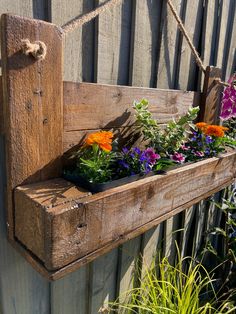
[{"x": 100, "y": 187}]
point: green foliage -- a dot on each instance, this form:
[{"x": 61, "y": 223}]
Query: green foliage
[
  {"x": 94, "y": 164},
  {"x": 172, "y": 137},
  {"x": 170, "y": 289},
  {"x": 226, "y": 253}
]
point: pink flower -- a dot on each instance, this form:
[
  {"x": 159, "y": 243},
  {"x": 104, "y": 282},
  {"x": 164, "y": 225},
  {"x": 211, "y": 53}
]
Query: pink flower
[
  {"x": 228, "y": 104},
  {"x": 199, "y": 154},
  {"x": 183, "y": 147},
  {"x": 178, "y": 157}
]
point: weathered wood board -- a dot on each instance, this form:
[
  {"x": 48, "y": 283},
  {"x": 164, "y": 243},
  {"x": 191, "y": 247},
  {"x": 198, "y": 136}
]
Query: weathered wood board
[
  {"x": 32, "y": 104},
  {"x": 72, "y": 225}
]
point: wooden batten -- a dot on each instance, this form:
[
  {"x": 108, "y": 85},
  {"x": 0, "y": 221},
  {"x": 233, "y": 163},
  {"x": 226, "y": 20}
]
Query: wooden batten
[
  {"x": 32, "y": 104},
  {"x": 211, "y": 96}
]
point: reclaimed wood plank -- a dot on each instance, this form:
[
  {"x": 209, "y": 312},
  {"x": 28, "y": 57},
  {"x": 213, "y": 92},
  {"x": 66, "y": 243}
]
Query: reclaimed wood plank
[
  {"x": 90, "y": 257},
  {"x": 33, "y": 119},
  {"x": 94, "y": 106},
  {"x": 94, "y": 214},
  {"x": 211, "y": 96}
]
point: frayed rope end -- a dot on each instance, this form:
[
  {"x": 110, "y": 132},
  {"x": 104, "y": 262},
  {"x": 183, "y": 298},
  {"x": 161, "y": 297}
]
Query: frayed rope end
[{"x": 37, "y": 49}]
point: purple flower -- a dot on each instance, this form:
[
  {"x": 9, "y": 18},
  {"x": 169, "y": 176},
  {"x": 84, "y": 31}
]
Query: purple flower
[
  {"x": 184, "y": 147},
  {"x": 207, "y": 151},
  {"x": 123, "y": 164},
  {"x": 228, "y": 104},
  {"x": 136, "y": 150},
  {"x": 208, "y": 139},
  {"x": 125, "y": 150},
  {"x": 150, "y": 156},
  {"x": 178, "y": 157},
  {"x": 199, "y": 154}
]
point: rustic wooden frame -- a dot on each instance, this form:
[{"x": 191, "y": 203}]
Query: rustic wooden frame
[{"x": 43, "y": 117}]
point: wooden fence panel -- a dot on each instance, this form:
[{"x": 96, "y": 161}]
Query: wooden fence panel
[{"x": 135, "y": 44}]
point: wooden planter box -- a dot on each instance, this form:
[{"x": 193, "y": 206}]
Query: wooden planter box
[
  {"x": 55, "y": 225},
  {"x": 61, "y": 223}
]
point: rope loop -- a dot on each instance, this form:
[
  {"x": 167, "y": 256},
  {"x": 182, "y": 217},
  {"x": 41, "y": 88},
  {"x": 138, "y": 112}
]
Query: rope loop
[{"x": 37, "y": 49}]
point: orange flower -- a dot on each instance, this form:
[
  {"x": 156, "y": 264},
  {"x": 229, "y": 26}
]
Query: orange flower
[
  {"x": 215, "y": 130},
  {"x": 103, "y": 139},
  {"x": 201, "y": 125}
]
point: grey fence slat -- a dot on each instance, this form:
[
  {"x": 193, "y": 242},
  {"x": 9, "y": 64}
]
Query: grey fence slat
[
  {"x": 166, "y": 78},
  {"x": 145, "y": 41},
  {"x": 112, "y": 67},
  {"x": 187, "y": 64},
  {"x": 230, "y": 59},
  {"x": 23, "y": 290},
  {"x": 167, "y": 57},
  {"x": 188, "y": 216},
  {"x": 221, "y": 44},
  {"x": 229, "y": 66},
  {"x": 70, "y": 294}
]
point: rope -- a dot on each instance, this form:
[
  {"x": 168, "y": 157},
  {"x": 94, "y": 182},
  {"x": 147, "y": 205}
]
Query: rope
[
  {"x": 37, "y": 49},
  {"x": 81, "y": 20},
  {"x": 218, "y": 81},
  {"x": 186, "y": 35}
]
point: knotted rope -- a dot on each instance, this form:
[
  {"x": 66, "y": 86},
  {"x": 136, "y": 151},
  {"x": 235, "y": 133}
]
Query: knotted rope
[
  {"x": 38, "y": 49},
  {"x": 81, "y": 20}
]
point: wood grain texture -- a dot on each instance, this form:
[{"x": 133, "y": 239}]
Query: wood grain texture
[
  {"x": 90, "y": 223},
  {"x": 230, "y": 62},
  {"x": 222, "y": 33},
  {"x": 1, "y": 108},
  {"x": 145, "y": 41},
  {"x": 211, "y": 97},
  {"x": 169, "y": 43},
  {"x": 33, "y": 118},
  {"x": 94, "y": 106},
  {"x": 187, "y": 64}
]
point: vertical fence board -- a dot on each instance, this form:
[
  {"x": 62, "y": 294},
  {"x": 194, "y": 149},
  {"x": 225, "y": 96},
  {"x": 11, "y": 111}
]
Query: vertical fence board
[
  {"x": 70, "y": 294},
  {"x": 167, "y": 59},
  {"x": 22, "y": 289},
  {"x": 187, "y": 63},
  {"x": 166, "y": 78},
  {"x": 112, "y": 67},
  {"x": 230, "y": 62},
  {"x": 146, "y": 22},
  {"x": 222, "y": 30}
]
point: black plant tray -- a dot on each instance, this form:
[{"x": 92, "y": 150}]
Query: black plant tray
[{"x": 100, "y": 187}]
